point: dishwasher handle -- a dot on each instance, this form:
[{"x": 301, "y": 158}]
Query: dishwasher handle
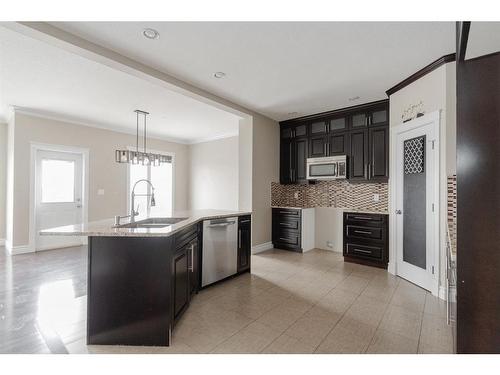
[{"x": 225, "y": 224}]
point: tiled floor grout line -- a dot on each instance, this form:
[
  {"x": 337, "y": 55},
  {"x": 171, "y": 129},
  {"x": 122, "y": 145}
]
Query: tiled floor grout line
[
  {"x": 382, "y": 318},
  {"x": 421, "y": 323}
]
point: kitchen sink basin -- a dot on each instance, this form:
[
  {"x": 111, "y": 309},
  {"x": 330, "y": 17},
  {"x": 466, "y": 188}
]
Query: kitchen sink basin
[{"x": 154, "y": 222}]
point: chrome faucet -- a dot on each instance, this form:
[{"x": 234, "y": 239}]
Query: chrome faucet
[{"x": 135, "y": 212}]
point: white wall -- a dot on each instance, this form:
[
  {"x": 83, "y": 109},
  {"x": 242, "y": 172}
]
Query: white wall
[
  {"x": 437, "y": 91},
  {"x": 105, "y": 173},
  {"x": 3, "y": 179},
  {"x": 214, "y": 174}
]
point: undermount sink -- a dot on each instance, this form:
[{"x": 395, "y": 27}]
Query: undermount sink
[{"x": 154, "y": 222}]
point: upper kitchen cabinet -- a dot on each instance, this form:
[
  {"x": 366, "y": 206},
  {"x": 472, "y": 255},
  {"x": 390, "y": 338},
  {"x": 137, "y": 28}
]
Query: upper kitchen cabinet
[{"x": 360, "y": 132}]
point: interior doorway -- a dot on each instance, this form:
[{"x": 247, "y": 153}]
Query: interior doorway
[
  {"x": 59, "y": 193},
  {"x": 415, "y": 201}
]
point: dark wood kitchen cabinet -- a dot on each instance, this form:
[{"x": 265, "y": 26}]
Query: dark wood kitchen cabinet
[
  {"x": 194, "y": 266},
  {"x": 181, "y": 286},
  {"x": 244, "y": 243},
  {"x": 360, "y": 132}
]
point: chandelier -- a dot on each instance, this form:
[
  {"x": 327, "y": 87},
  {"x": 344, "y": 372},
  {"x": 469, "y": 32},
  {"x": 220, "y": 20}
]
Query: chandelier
[{"x": 141, "y": 157}]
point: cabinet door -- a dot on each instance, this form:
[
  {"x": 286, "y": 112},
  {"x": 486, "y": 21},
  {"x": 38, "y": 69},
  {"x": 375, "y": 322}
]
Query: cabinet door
[
  {"x": 339, "y": 144},
  {"x": 318, "y": 127},
  {"x": 244, "y": 243},
  {"x": 300, "y": 160},
  {"x": 318, "y": 146},
  {"x": 338, "y": 124},
  {"x": 193, "y": 266},
  {"x": 300, "y": 130},
  {"x": 379, "y": 117},
  {"x": 286, "y": 158},
  {"x": 286, "y": 133},
  {"x": 181, "y": 281},
  {"x": 379, "y": 153},
  {"x": 359, "y": 120},
  {"x": 358, "y": 158}
]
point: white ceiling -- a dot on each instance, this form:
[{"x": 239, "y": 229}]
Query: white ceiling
[
  {"x": 278, "y": 68},
  {"x": 53, "y": 82}
]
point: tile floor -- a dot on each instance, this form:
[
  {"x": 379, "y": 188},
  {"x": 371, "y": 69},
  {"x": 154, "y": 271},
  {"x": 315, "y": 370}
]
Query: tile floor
[{"x": 290, "y": 303}]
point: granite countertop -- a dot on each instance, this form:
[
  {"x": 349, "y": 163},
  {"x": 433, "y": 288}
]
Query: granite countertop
[
  {"x": 105, "y": 228},
  {"x": 338, "y": 208}
]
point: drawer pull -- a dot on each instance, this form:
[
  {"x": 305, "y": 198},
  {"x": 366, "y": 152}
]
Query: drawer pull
[
  {"x": 363, "y": 218},
  {"x": 363, "y": 251},
  {"x": 244, "y": 221},
  {"x": 284, "y": 239},
  {"x": 286, "y": 224},
  {"x": 288, "y": 212},
  {"x": 362, "y": 231}
]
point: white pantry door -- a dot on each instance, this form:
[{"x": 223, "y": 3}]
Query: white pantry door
[
  {"x": 417, "y": 202},
  {"x": 58, "y": 196}
]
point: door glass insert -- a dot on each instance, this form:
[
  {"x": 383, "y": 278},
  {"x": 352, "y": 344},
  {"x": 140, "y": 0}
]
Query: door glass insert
[
  {"x": 58, "y": 181},
  {"x": 318, "y": 127},
  {"x": 338, "y": 124},
  {"x": 414, "y": 202},
  {"x": 379, "y": 117}
]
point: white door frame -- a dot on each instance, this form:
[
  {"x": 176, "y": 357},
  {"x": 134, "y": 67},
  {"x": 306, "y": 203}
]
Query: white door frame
[
  {"x": 34, "y": 148},
  {"x": 434, "y": 119}
]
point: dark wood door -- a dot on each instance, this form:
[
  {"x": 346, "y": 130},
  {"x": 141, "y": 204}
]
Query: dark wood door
[
  {"x": 286, "y": 159},
  {"x": 299, "y": 174},
  {"x": 358, "y": 157},
  {"x": 478, "y": 194},
  {"x": 244, "y": 243},
  {"x": 180, "y": 273},
  {"x": 318, "y": 146},
  {"x": 339, "y": 144},
  {"x": 193, "y": 265},
  {"x": 379, "y": 153}
]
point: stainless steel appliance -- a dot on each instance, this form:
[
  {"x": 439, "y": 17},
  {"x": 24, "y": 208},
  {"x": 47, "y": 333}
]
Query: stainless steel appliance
[
  {"x": 327, "y": 168},
  {"x": 220, "y": 249}
]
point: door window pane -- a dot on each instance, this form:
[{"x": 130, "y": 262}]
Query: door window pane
[{"x": 58, "y": 181}]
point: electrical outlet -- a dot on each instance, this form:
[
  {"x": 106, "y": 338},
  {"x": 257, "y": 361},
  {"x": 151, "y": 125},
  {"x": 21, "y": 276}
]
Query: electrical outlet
[
  {"x": 100, "y": 191},
  {"x": 376, "y": 197},
  {"x": 296, "y": 195},
  {"x": 329, "y": 244}
]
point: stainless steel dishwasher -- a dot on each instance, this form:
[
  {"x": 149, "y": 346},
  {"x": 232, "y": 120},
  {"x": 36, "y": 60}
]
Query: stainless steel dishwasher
[{"x": 220, "y": 249}]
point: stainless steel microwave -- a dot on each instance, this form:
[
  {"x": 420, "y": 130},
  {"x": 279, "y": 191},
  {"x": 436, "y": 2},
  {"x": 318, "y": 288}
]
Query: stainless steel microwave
[{"x": 327, "y": 168}]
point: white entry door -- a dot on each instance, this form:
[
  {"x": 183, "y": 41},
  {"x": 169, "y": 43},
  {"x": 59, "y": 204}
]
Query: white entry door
[
  {"x": 417, "y": 201},
  {"x": 58, "y": 196}
]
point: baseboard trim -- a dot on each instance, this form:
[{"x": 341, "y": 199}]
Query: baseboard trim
[
  {"x": 262, "y": 247},
  {"x": 15, "y": 250}
]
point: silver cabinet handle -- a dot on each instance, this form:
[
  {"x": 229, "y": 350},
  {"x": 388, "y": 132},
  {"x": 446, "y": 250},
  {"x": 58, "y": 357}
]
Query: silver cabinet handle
[
  {"x": 362, "y": 217},
  {"x": 245, "y": 221},
  {"x": 362, "y": 251},
  {"x": 192, "y": 259},
  {"x": 362, "y": 231},
  {"x": 286, "y": 224}
]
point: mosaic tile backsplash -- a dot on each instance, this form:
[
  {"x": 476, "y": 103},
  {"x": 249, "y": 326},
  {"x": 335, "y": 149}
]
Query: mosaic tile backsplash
[{"x": 337, "y": 193}]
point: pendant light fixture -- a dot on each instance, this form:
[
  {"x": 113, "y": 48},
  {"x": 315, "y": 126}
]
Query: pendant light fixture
[{"x": 141, "y": 157}]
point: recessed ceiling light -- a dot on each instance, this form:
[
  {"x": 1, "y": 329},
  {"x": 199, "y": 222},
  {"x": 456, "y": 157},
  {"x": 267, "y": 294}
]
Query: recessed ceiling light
[
  {"x": 353, "y": 98},
  {"x": 219, "y": 74},
  {"x": 151, "y": 33}
]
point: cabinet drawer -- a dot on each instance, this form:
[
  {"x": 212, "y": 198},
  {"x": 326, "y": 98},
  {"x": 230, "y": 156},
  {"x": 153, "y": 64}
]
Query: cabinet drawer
[
  {"x": 365, "y": 232},
  {"x": 288, "y": 238},
  {"x": 366, "y": 218},
  {"x": 365, "y": 251},
  {"x": 288, "y": 212},
  {"x": 288, "y": 224}
]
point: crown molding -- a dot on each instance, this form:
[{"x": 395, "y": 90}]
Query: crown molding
[{"x": 422, "y": 72}]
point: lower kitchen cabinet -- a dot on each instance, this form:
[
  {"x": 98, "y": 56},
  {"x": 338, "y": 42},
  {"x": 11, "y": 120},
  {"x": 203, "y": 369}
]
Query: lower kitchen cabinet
[
  {"x": 366, "y": 238},
  {"x": 293, "y": 229},
  {"x": 244, "y": 243},
  {"x": 181, "y": 286}
]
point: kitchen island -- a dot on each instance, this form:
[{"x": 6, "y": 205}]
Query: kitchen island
[{"x": 142, "y": 275}]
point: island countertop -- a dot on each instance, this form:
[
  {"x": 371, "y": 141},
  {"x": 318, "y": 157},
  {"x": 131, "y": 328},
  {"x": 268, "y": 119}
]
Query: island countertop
[{"x": 106, "y": 228}]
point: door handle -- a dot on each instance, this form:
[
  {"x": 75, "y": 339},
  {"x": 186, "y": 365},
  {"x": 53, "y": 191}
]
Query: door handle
[
  {"x": 398, "y": 212},
  {"x": 78, "y": 206}
]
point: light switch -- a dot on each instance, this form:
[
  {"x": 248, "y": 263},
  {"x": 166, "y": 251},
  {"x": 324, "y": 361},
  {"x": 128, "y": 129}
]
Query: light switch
[
  {"x": 376, "y": 197},
  {"x": 100, "y": 191}
]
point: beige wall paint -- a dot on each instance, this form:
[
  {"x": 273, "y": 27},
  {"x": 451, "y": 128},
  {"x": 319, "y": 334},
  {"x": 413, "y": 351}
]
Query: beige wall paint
[
  {"x": 214, "y": 174},
  {"x": 437, "y": 91},
  {"x": 104, "y": 172},
  {"x": 265, "y": 166},
  {"x": 3, "y": 178}
]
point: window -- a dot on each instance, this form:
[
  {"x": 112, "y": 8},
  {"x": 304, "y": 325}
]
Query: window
[
  {"x": 58, "y": 181},
  {"x": 161, "y": 178}
]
